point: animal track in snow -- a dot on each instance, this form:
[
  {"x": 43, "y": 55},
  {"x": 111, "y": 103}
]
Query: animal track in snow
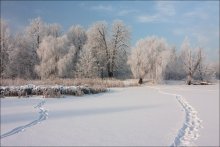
[{"x": 43, "y": 116}]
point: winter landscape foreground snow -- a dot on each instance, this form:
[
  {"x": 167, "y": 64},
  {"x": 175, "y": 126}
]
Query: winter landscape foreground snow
[{"x": 162, "y": 115}]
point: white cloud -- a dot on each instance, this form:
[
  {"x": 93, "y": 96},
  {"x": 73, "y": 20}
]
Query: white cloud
[
  {"x": 197, "y": 13},
  {"x": 102, "y": 8},
  {"x": 126, "y": 12},
  {"x": 200, "y": 36},
  {"x": 164, "y": 10},
  {"x": 148, "y": 18}
]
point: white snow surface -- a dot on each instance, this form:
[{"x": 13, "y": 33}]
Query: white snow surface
[{"x": 162, "y": 115}]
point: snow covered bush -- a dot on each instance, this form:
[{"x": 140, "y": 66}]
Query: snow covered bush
[{"x": 48, "y": 91}]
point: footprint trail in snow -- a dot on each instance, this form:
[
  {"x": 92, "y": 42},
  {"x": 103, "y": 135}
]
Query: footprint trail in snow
[
  {"x": 190, "y": 129},
  {"x": 43, "y": 115}
]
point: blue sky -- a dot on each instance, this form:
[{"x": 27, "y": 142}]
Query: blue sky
[{"x": 173, "y": 20}]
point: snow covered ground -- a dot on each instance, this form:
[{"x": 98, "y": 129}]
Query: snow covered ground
[{"x": 160, "y": 115}]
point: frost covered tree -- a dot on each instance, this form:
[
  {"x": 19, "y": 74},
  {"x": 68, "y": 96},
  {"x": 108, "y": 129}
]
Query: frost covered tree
[
  {"x": 206, "y": 71},
  {"x": 60, "y": 53},
  {"x": 98, "y": 44},
  {"x": 149, "y": 58},
  {"x": 66, "y": 63},
  {"x": 21, "y": 63},
  {"x": 35, "y": 32},
  {"x": 87, "y": 67},
  {"x": 51, "y": 50},
  {"x": 119, "y": 44},
  {"x": 174, "y": 69},
  {"x": 109, "y": 47},
  {"x": 6, "y": 47},
  {"x": 190, "y": 59},
  {"x": 137, "y": 61},
  {"x": 52, "y": 30},
  {"x": 76, "y": 37},
  {"x": 217, "y": 70}
]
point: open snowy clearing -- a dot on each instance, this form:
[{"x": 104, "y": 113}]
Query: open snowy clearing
[{"x": 161, "y": 115}]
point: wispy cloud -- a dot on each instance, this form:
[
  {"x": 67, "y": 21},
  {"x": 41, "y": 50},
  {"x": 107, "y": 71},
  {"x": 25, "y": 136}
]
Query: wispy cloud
[
  {"x": 163, "y": 10},
  {"x": 125, "y": 12},
  {"x": 204, "y": 12},
  {"x": 196, "y": 13},
  {"x": 102, "y": 8},
  {"x": 148, "y": 18},
  {"x": 201, "y": 36}
]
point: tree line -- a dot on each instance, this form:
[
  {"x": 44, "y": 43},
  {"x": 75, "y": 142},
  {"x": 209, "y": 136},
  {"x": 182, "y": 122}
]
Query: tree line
[{"x": 42, "y": 51}]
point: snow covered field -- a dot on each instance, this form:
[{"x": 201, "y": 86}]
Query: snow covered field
[{"x": 160, "y": 115}]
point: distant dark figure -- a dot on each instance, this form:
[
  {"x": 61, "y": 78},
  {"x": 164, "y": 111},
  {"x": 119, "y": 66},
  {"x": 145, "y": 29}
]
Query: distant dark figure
[
  {"x": 189, "y": 82},
  {"x": 102, "y": 74},
  {"x": 110, "y": 74},
  {"x": 1, "y": 93},
  {"x": 140, "y": 81},
  {"x": 28, "y": 92}
]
